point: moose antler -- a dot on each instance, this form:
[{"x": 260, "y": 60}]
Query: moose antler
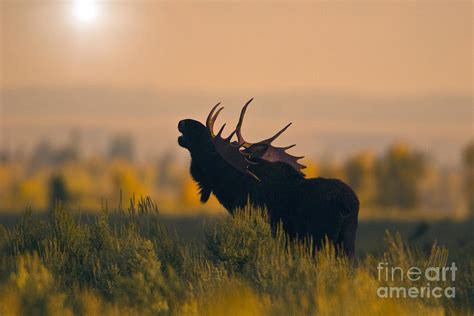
[
  {"x": 232, "y": 153},
  {"x": 229, "y": 151},
  {"x": 264, "y": 148},
  {"x": 238, "y": 129}
]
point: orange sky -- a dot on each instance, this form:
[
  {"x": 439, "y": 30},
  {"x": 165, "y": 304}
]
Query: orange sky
[
  {"x": 350, "y": 74},
  {"x": 394, "y": 47}
]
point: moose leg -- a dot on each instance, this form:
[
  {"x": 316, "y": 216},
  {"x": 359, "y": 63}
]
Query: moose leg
[
  {"x": 347, "y": 236},
  {"x": 329, "y": 227}
]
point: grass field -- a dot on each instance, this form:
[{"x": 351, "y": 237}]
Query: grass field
[{"x": 137, "y": 261}]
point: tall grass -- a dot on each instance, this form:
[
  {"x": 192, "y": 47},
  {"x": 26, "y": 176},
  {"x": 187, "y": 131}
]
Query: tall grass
[{"x": 126, "y": 261}]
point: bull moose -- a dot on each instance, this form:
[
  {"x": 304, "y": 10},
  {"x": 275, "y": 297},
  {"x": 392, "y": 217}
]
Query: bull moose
[{"x": 238, "y": 172}]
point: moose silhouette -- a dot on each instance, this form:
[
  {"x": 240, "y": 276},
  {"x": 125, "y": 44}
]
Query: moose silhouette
[{"x": 239, "y": 172}]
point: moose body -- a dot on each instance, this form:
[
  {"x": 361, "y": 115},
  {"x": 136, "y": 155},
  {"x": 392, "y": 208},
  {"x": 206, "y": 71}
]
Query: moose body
[{"x": 315, "y": 208}]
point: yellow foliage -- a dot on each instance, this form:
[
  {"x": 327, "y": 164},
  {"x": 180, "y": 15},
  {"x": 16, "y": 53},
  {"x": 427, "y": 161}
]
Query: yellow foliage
[
  {"x": 312, "y": 169},
  {"x": 400, "y": 150},
  {"x": 32, "y": 191},
  {"x": 355, "y": 295},
  {"x": 190, "y": 193},
  {"x": 235, "y": 299},
  {"x": 78, "y": 179},
  {"x": 189, "y": 199},
  {"x": 10, "y": 302},
  {"x": 126, "y": 179},
  {"x": 30, "y": 291}
]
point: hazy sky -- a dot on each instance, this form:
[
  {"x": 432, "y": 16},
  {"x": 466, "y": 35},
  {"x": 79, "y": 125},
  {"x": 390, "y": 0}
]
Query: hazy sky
[
  {"x": 350, "y": 74},
  {"x": 370, "y": 47}
]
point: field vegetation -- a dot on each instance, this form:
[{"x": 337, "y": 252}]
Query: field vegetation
[{"x": 126, "y": 261}]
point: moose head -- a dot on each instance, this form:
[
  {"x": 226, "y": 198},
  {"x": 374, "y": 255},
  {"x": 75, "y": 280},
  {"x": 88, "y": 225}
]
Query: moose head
[{"x": 240, "y": 154}]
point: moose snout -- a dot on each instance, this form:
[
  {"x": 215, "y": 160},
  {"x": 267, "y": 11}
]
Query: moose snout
[{"x": 181, "y": 125}]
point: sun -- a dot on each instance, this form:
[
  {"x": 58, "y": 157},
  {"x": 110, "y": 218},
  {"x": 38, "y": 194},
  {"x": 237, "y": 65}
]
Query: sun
[{"x": 85, "y": 11}]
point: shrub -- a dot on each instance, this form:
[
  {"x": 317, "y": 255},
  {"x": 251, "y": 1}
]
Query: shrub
[{"x": 127, "y": 262}]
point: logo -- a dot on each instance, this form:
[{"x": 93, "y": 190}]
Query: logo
[{"x": 428, "y": 282}]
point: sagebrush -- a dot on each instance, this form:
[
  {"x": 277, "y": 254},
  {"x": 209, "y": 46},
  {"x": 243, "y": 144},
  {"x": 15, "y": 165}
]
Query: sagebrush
[{"x": 126, "y": 261}]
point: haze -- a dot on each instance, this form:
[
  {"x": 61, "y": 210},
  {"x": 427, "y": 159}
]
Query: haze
[{"x": 350, "y": 75}]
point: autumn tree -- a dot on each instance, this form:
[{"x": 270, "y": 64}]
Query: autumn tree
[
  {"x": 122, "y": 147},
  {"x": 359, "y": 172},
  {"x": 398, "y": 174},
  {"x": 57, "y": 190}
]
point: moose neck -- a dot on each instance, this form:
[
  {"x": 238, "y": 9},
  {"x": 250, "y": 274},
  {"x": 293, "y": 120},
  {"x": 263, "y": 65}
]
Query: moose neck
[
  {"x": 231, "y": 187},
  {"x": 235, "y": 189}
]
